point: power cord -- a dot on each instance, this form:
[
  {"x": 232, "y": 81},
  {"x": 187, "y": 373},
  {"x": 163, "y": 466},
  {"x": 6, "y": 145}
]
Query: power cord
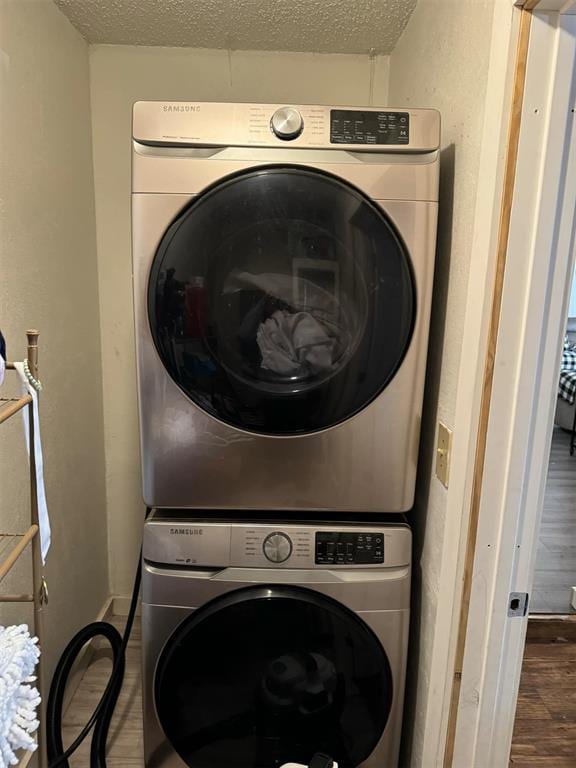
[{"x": 102, "y": 715}]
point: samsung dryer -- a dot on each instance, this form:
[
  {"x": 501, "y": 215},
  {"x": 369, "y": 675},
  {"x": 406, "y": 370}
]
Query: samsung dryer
[
  {"x": 283, "y": 267},
  {"x": 265, "y": 643}
]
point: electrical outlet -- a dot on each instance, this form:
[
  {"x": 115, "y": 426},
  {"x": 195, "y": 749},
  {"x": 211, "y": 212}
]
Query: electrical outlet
[{"x": 443, "y": 451}]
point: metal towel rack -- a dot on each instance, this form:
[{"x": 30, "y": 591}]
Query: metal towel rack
[{"x": 13, "y": 545}]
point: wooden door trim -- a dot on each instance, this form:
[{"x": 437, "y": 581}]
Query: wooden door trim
[{"x": 488, "y": 376}]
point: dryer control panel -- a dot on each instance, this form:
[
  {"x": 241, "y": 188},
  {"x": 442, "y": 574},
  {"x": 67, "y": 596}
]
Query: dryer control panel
[
  {"x": 362, "y": 126},
  {"x": 305, "y": 126}
]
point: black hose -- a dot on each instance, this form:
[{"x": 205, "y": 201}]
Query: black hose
[{"x": 102, "y": 715}]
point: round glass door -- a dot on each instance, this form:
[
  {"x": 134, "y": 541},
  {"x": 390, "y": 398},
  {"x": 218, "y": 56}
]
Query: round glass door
[
  {"x": 269, "y": 675},
  {"x": 281, "y": 301}
]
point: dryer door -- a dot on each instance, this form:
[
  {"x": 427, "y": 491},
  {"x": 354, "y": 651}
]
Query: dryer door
[
  {"x": 282, "y": 300},
  {"x": 268, "y": 675}
]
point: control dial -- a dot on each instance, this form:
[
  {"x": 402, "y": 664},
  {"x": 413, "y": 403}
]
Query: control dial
[
  {"x": 287, "y": 123},
  {"x": 277, "y": 547}
]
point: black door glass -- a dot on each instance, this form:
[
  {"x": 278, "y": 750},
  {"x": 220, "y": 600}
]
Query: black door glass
[
  {"x": 281, "y": 300},
  {"x": 269, "y": 675}
]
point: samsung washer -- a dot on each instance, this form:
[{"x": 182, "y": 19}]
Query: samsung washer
[
  {"x": 265, "y": 643},
  {"x": 283, "y": 267}
]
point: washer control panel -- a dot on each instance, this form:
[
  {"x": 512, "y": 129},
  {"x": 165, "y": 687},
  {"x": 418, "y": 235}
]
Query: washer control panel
[
  {"x": 300, "y": 547},
  {"x": 337, "y": 548},
  {"x": 201, "y": 543}
]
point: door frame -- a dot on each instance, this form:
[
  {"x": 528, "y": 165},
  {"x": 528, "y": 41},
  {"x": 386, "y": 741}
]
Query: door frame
[{"x": 529, "y": 306}]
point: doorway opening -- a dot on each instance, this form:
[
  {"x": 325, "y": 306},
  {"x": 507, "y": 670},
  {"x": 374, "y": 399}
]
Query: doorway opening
[
  {"x": 554, "y": 586},
  {"x": 545, "y": 725}
]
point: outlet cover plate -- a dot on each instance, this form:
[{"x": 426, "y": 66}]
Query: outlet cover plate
[{"x": 443, "y": 451}]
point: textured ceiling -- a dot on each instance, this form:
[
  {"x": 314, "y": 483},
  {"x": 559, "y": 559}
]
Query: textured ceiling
[{"x": 327, "y": 26}]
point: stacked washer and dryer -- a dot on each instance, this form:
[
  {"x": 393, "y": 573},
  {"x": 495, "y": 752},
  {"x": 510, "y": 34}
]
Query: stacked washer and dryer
[{"x": 283, "y": 267}]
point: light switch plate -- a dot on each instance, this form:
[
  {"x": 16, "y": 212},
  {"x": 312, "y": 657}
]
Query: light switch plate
[{"x": 443, "y": 451}]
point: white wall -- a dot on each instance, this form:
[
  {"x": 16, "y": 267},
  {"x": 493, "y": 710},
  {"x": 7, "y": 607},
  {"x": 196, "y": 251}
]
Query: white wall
[
  {"x": 572, "y": 306},
  {"x": 442, "y": 61},
  {"x": 121, "y": 75},
  {"x": 49, "y": 281}
]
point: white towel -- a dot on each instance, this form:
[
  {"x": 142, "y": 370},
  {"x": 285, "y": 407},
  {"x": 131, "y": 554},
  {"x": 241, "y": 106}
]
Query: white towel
[
  {"x": 19, "y": 655},
  {"x": 43, "y": 518}
]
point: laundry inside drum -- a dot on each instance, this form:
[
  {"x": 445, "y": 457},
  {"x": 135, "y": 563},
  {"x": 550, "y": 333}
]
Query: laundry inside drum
[{"x": 291, "y": 310}]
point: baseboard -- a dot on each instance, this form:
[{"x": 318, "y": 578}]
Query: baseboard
[
  {"x": 121, "y": 605},
  {"x": 550, "y": 628},
  {"x": 85, "y": 657}
]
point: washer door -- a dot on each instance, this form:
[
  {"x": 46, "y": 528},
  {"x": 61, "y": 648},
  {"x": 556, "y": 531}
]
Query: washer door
[
  {"x": 281, "y": 301},
  {"x": 269, "y": 675}
]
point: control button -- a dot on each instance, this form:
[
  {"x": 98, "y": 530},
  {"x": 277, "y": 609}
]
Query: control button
[
  {"x": 277, "y": 547},
  {"x": 287, "y": 123}
]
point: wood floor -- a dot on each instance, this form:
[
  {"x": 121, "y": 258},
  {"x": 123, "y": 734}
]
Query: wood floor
[
  {"x": 125, "y": 744},
  {"x": 556, "y": 560},
  {"x": 545, "y": 728}
]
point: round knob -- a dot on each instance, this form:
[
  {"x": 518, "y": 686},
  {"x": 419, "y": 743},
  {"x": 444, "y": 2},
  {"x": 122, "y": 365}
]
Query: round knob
[
  {"x": 287, "y": 123},
  {"x": 277, "y": 547}
]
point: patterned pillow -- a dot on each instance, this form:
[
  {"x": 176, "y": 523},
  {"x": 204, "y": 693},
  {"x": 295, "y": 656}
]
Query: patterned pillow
[{"x": 568, "y": 356}]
